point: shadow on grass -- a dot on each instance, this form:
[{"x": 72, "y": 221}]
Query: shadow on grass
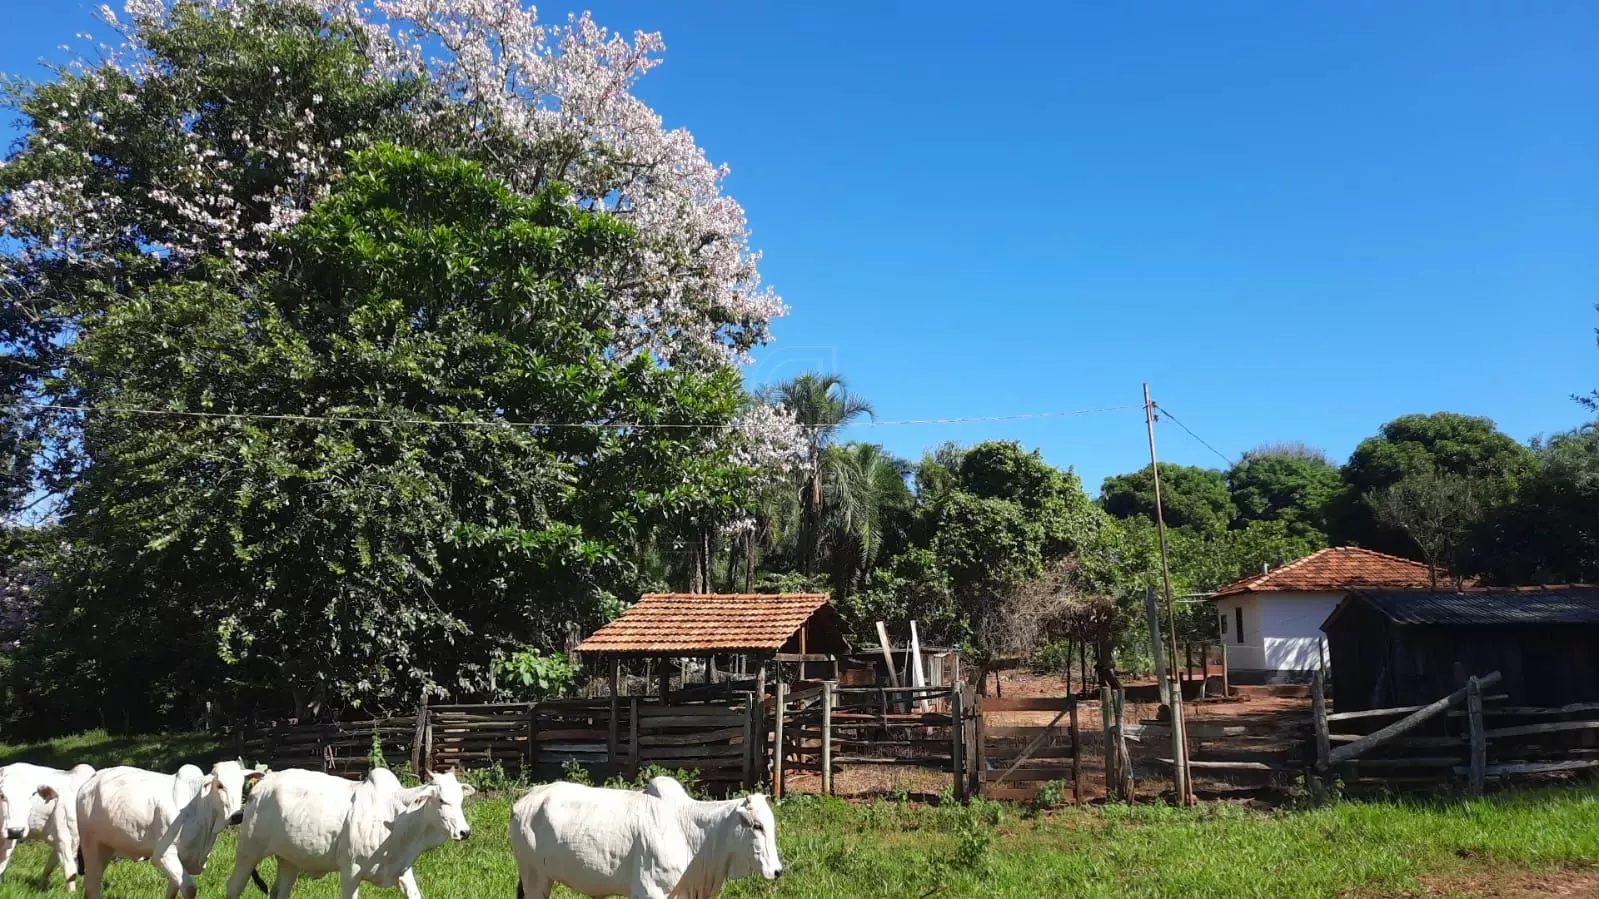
[{"x": 157, "y": 752}]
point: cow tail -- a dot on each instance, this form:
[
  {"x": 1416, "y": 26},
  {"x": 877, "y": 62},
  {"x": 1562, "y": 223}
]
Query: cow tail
[
  {"x": 519, "y": 894},
  {"x": 259, "y": 883}
]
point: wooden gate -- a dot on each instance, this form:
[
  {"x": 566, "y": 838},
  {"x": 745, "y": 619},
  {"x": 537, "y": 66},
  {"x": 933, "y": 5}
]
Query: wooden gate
[
  {"x": 824, "y": 728},
  {"x": 1014, "y": 760}
]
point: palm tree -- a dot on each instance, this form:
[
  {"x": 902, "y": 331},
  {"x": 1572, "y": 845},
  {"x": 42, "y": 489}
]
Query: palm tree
[
  {"x": 824, "y": 405},
  {"x": 864, "y": 496}
]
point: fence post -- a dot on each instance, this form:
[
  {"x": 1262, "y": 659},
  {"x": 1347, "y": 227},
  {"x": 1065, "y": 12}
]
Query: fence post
[
  {"x": 749, "y": 741},
  {"x": 778, "y": 750},
  {"x": 979, "y": 747},
  {"x": 418, "y": 734},
  {"x": 632, "y": 738},
  {"x": 827, "y": 737},
  {"x": 1077, "y": 753},
  {"x": 957, "y": 749},
  {"x": 1318, "y": 711},
  {"x": 613, "y": 736},
  {"x": 1479, "y": 739},
  {"x": 1226, "y": 679},
  {"x": 531, "y": 758},
  {"x": 1106, "y": 709}
]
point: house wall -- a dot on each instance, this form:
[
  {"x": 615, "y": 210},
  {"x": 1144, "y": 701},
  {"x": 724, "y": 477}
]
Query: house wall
[{"x": 1282, "y": 639}]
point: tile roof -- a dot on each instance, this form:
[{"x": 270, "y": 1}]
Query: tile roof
[
  {"x": 1336, "y": 568},
  {"x": 693, "y": 623},
  {"x": 1558, "y": 604}
]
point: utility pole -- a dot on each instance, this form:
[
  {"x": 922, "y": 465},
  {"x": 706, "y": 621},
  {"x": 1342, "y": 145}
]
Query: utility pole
[{"x": 1179, "y": 732}]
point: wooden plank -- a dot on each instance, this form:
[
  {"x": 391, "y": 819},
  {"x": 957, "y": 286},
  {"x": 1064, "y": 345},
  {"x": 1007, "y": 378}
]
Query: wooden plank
[
  {"x": 1024, "y": 732},
  {"x": 1399, "y": 710},
  {"x": 597, "y": 735},
  {"x": 797, "y": 657},
  {"x": 1404, "y": 725},
  {"x": 1032, "y": 745},
  {"x": 1025, "y": 704},
  {"x": 1509, "y": 768},
  {"x": 657, "y": 753},
  {"x": 1407, "y": 742},
  {"x": 1032, "y": 772},
  {"x": 1523, "y": 711},
  {"x": 888, "y": 654},
  {"x": 1228, "y": 766},
  {"x": 658, "y": 724},
  {"x": 720, "y": 735},
  {"x": 921, "y": 761},
  {"x": 1011, "y": 793},
  {"x": 1551, "y": 727},
  {"x": 1318, "y": 711}
]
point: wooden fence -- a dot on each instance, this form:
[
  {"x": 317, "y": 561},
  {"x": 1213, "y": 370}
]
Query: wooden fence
[
  {"x": 607, "y": 737},
  {"x": 1015, "y": 761},
  {"x": 1468, "y": 737},
  {"x": 821, "y": 728}
]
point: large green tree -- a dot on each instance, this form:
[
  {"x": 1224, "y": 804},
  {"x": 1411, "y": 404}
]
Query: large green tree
[
  {"x": 1290, "y": 483},
  {"x": 1445, "y": 443},
  {"x": 422, "y": 516},
  {"x": 1550, "y": 534},
  {"x": 1192, "y": 498}
]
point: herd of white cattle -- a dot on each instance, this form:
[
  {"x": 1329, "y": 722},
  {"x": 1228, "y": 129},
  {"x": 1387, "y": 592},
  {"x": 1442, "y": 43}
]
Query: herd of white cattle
[{"x": 600, "y": 842}]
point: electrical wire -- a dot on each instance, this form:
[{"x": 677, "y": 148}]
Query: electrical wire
[{"x": 1178, "y": 422}]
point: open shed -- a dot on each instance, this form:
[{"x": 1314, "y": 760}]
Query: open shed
[
  {"x": 1410, "y": 647},
  {"x": 763, "y": 627}
]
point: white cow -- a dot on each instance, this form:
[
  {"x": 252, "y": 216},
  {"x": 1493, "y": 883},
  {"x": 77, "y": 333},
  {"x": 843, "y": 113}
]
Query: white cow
[
  {"x": 604, "y": 842},
  {"x": 372, "y": 831},
  {"x": 666, "y": 787},
  {"x": 171, "y": 819},
  {"x": 39, "y": 803}
]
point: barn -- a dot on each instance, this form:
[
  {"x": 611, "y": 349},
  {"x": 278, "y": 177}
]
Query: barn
[{"x": 1392, "y": 648}]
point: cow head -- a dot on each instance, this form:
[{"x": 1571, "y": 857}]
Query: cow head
[
  {"x": 225, "y": 789},
  {"x": 756, "y": 840},
  {"x": 440, "y": 800},
  {"x": 16, "y": 803}
]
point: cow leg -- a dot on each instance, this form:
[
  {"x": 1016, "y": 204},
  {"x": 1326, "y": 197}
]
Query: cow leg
[
  {"x": 534, "y": 885},
  {"x": 283, "y": 885},
  {"x": 7, "y": 847},
  {"x": 645, "y": 887},
  {"x": 244, "y": 865},
  {"x": 177, "y": 878},
  {"x": 349, "y": 884},
  {"x": 407, "y": 884},
  {"x": 93, "y": 868}
]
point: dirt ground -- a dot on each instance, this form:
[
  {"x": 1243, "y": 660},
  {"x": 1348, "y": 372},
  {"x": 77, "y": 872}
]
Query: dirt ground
[
  {"x": 1272, "y": 720},
  {"x": 1507, "y": 885}
]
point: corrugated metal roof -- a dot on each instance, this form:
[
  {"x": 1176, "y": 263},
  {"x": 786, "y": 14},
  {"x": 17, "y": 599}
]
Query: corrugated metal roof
[
  {"x": 684, "y": 624},
  {"x": 1559, "y": 604},
  {"x": 1336, "y": 568}
]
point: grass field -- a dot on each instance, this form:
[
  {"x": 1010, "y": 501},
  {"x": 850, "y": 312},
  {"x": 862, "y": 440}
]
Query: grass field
[{"x": 889, "y": 849}]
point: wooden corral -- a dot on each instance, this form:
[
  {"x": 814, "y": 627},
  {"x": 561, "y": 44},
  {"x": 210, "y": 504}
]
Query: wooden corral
[{"x": 1403, "y": 648}]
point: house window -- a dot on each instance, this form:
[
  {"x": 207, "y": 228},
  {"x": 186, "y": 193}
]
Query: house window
[
  {"x": 1238, "y": 620},
  {"x": 1224, "y": 624}
]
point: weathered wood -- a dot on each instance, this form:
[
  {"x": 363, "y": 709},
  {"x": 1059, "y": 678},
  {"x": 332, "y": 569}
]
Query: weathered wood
[
  {"x": 1479, "y": 742},
  {"x": 1022, "y": 756},
  {"x": 1226, "y": 766},
  {"x": 1077, "y": 754},
  {"x": 697, "y": 738},
  {"x": 921, "y": 761},
  {"x": 1406, "y": 742},
  {"x": 797, "y": 657},
  {"x": 1029, "y": 773},
  {"x": 1550, "y": 727},
  {"x": 1522, "y": 711},
  {"x": 726, "y": 751},
  {"x": 888, "y": 654},
  {"x": 957, "y": 732},
  {"x": 1023, "y": 731},
  {"x": 979, "y": 748},
  {"x": 1403, "y": 710},
  {"x": 633, "y": 747},
  {"x": 779, "y": 751},
  {"x": 1441, "y": 761},
  {"x": 1404, "y": 725},
  {"x": 1509, "y": 768},
  {"x": 1318, "y": 714},
  {"x": 827, "y": 737}
]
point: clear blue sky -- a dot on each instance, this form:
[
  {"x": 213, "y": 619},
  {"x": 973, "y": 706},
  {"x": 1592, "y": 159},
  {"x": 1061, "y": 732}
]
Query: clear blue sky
[{"x": 1296, "y": 221}]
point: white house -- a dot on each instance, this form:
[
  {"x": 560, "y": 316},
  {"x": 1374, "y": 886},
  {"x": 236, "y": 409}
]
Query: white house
[{"x": 1271, "y": 622}]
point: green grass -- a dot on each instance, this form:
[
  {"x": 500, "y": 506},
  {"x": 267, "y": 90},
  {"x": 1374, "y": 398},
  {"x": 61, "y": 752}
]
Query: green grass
[
  {"x": 889, "y": 849},
  {"x": 158, "y": 752}
]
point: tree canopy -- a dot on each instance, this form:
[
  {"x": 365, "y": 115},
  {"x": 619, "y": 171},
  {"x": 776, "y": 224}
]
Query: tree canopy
[
  {"x": 1286, "y": 483},
  {"x": 1192, "y": 498}
]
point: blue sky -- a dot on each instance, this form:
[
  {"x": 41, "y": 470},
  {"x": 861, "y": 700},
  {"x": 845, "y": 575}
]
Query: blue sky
[{"x": 1296, "y": 221}]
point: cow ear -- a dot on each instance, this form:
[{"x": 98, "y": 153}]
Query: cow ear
[
  {"x": 48, "y": 792},
  {"x": 427, "y": 775},
  {"x": 254, "y": 776},
  {"x": 467, "y": 789}
]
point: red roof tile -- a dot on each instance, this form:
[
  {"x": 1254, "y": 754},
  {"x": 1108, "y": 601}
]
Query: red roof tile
[
  {"x": 1337, "y": 568},
  {"x": 693, "y": 623}
]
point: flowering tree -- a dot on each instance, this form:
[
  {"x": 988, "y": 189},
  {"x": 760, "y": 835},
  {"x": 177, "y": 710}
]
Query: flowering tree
[
  {"x": 166, "y": 150},
  {"x": 376, "y": 215}
]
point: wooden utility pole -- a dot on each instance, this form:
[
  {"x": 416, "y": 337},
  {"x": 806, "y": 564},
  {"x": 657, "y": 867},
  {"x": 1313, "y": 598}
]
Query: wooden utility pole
[{"x": 1185, "y": 793}]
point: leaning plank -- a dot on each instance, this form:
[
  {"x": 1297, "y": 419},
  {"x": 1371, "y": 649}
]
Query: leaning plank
[
  {"x": 1404, "y": 725},
  {"x": 1227, "y": 766},
  {"x": 1399, "y": 710},
  {"x": 1548, "y": 728}
]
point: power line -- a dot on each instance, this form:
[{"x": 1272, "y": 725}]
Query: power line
[
  {"x": 430, "y": 422},
  {"x": 1178, "y": 422}
]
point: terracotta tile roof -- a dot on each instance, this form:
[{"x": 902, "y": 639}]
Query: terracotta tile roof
[
  {"x": 693, "y": 623},
  {"x": 1337, "y": 568}
]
